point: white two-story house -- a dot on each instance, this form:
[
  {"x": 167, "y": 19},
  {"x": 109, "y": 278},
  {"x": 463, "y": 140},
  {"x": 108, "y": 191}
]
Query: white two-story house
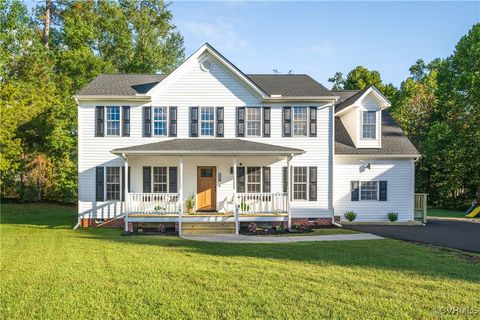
[{"x": 241, "y": 147}]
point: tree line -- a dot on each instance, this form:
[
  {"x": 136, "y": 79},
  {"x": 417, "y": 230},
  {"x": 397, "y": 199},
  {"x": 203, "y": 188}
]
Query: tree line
[{"x": 48, "y": 54}]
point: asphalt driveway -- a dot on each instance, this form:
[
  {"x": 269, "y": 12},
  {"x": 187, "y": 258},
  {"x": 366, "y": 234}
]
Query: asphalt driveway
[{"x": 443, "y": 233}]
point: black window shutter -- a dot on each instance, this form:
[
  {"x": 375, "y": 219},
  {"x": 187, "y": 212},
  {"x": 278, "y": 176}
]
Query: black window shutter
[
  {"x": 266, "y": 179},
  {"x": 287, "y": 121},
  {"x": 240, "y": 121},
  {"x": 147, "y": 179},
  {"x": 99, "y": 121},
  {"x": 193, "y": 121},
  {"x": 383, "y": 191},
  {"x": 266, "y": 122},
  {"x": 313, "y": 121},
  {"x": 220, "y": 116},
  {"x": 122, "y": 186},
  {"x": 99, "y": 184},
  {"x": 285, "y": 179},
  {"x": 240, "y": 179},
  {"x": 172, "y": 130},
  {"x": 312, "y": 184},
  {"x": 125, "y": 121},
  {"x": 147, "y": 121},
  {"x": 172, "y": 179},
  {"x": 355, "y": 191}
]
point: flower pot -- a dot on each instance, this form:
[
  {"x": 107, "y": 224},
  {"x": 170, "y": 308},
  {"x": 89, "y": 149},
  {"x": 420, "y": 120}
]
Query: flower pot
[{"x": 190, "y": 210}]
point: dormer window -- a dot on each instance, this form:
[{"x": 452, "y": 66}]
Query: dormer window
[{"x": 369, "y": 124}]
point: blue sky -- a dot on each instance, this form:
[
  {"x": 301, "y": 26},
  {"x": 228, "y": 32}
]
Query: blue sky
[{"x": 320, "y": 38}]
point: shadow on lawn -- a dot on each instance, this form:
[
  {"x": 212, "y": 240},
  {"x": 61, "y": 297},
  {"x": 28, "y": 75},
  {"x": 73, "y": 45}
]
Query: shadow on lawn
[
  {"x": 39, "y": 215},
  {"x": 390, "y": 255}
]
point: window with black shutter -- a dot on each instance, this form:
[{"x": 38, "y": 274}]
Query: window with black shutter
[
  {"x": 266, "y": 121},
  {"x": 312, "y": 184},
  {"x": 240, "y": 121},
  {"x": 147, "y": 179},
  {"x": 287, "y": 122},
  {"x": 220, "y": 116},
  {"x": 354, "y": 191},
  {"x": 147, "y": 121},
  {"x": 266, "y": 179},
  {"x": 172, "y": 132},
  {"x": 99, "y": 121},
  {"x": 285, "y": 179},
  {"x": 240, "y": 179},
  {"x": 125, "y": 121},
  {"x": 383, "y": 191},
  {"x": 99, "y": 184},
  {"x": 193, "y": 121},
  {"x": 313, "y": 121},
  {"x": 172, "y": 179}
]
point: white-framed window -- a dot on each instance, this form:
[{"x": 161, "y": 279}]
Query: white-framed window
[
  {"x": 300, "y": 181},
  {"x": 113, "y": 121},
  {"x": 113, "y": 183},
  {"x": 368, "y": 190},
  {"x": 369, "y": 124},
  {"x": 160, "y": 121},
  {"x": 254, "y": 179},
  {"x": 300, "y": 121},
  {"x": 207, "y": 121},
  {"x": 160, "y": 179},
  {"x": 254, "y": 122}
]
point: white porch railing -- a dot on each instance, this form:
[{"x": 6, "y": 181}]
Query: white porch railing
[
  {"x": 152, "y": 203},
  {"x": 258, "y": 203}
]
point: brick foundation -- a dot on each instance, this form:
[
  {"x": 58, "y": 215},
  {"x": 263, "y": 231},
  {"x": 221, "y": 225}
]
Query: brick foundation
[
  {"x": 107, "y": 223},
  {"x": 312, "y": 222}
]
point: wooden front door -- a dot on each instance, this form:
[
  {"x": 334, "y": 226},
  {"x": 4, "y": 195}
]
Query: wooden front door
[{"x": 206, "y": 188}]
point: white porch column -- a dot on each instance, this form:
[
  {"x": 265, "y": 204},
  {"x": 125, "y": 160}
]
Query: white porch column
[
  {"x": 125, "y": 191},
  {"x": 289, "y": 191},
  {"x": 180, "y": 197},
  {"x": 235, "y": 207}
]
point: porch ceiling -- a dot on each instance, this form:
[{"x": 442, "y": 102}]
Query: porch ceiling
[{"x": 214, "y": 146}]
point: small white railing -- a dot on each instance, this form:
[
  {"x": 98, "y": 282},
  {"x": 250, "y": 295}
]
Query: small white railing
[
  {"x": 420, "y": 208},
  {"x": 152, "y": 203},
  {"x": 257, "y": 203}
]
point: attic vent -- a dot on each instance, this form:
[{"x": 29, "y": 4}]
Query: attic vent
[{"x": 206, "y": 65}]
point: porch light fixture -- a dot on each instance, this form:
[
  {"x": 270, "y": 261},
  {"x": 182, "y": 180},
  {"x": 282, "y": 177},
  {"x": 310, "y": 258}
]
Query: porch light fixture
[{"x": 219, "y": 177}]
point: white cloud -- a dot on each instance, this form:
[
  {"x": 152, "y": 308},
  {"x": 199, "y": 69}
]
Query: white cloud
[{"x": 221, "y": 34}]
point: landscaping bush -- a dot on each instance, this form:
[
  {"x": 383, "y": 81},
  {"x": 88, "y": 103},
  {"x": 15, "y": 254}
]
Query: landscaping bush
[
  {"x": 392, "y": 216},
  {"x": 252, "y": 227},
  {"x": 350, "y": 215}
]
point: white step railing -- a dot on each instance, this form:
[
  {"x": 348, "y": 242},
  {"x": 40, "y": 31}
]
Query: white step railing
[
  {"x": 257, "y": 203},
  {"x": 152, "y": 203}
]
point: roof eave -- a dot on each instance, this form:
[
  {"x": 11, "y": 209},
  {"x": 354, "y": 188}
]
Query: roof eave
[
  {"x": 378, "y": 156},
  {"x": 143, "y": 98},
  {"x": 206, "y": 152},
  {"x": 301, "y": 99}
]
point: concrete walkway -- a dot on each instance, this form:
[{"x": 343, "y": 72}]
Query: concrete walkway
[{"x": 233, "y": 238}]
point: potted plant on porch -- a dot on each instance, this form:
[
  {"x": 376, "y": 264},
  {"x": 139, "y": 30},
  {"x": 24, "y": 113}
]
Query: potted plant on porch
[{"x": 190, "y": 203}]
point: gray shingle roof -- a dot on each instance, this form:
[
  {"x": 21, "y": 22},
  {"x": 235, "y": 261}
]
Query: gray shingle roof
[
  {"x": 121, "y": 84},
  {"x": 290, "y": 85},
  {"x": 394, "y": 142},
  {"x": 208, "y": 146},
  {"x": 299, "y": 85},
  {"x": 348, "y": 97}
]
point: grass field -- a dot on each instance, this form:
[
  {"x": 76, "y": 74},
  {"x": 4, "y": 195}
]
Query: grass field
[
  {"x": 49, "y": 271},
  {"x": 445, "y": 213}
]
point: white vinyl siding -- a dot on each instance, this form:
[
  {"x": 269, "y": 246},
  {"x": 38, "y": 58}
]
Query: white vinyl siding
[
  {"x": 254, "y": 122},
  {"x": 113, "y": 183},
  {"x": 113, "y": 121},
  {"x": 207, "y": 121},
  {"x": 300, "y": 121},
  {"x": 160, "y": 121}
]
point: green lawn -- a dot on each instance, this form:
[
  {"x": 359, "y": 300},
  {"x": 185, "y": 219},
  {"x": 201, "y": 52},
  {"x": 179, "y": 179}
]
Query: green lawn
[
  {"x": 49, "y": 271},
  {"x": 445, "y": 213}
]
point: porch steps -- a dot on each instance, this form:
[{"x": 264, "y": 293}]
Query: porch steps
[{"x": 189, "y": 228}]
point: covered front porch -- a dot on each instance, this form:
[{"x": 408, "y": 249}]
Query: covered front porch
[{"x": 207, "y": 180}]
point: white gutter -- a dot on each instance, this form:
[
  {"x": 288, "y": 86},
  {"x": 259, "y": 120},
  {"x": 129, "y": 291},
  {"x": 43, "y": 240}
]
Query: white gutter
[
  {"x": 113, "y": 97},
  {"x": 275, "y": 98},
  {"x": 206, "y": 152}
]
